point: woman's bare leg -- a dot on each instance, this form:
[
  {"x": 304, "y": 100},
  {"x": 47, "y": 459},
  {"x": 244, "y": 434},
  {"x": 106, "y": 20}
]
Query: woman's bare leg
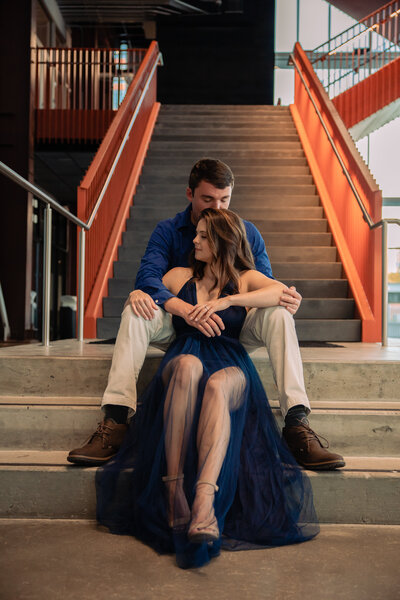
[
  {"x": 182, "y": 375},
  {"x": 223, "y": 394}
]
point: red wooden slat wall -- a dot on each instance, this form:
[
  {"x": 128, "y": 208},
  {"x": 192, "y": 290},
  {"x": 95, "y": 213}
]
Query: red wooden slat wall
[{"x": 370, "y": 95}]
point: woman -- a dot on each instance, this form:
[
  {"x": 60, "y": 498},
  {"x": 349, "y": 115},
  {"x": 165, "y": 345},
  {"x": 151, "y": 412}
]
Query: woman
[{"x": 209, "y": 465}]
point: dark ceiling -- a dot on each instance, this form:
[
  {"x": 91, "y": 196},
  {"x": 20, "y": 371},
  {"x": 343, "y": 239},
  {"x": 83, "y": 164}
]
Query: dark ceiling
[{"x": 79, "y": 12}]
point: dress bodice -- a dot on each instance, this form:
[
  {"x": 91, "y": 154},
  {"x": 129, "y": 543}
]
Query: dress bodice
[{"x": 233, "y": 317}]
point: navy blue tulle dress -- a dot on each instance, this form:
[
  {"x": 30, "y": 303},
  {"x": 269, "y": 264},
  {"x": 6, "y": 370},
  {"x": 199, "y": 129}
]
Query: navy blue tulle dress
[{"x": 264, "y": 497}]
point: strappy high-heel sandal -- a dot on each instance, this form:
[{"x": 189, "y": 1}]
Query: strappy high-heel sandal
[
  {"x": 176, "y": 502},
  {"x": 206, "y": 530}
]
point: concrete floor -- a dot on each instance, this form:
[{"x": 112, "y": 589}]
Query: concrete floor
[
  {"x": 347, "y": 351},
  {"x": 76, "y": 560}
]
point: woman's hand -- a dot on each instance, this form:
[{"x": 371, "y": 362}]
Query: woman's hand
[{"x": 201, "y": 312}]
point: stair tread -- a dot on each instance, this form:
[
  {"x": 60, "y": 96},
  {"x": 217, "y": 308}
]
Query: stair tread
[
  {"x": 359, "y": 407},
  {"x": 57, "y": 458}
]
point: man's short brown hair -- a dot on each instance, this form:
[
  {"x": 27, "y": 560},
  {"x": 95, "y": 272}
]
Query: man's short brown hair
[{"x": 213, "y": 171}]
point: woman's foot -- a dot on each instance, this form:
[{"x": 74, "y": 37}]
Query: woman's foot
[
  {"x": 178, "y": 510},
  {"x": 204, "y": 524}
]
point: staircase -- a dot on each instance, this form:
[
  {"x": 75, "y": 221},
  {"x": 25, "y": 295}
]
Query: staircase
[
  {"x": 273, "y": 189},
  {"x": 50, "y": 400}
]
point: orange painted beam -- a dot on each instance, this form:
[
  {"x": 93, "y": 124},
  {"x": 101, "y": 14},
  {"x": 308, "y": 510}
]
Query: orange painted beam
[
  {"x": 359, "y": 247},
  {"x": 346, "y": 258},
  {"x": 94, "y": 308}
]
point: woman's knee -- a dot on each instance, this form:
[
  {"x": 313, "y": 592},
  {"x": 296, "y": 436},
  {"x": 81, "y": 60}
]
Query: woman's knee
[
  {"x": 187, "y": 367},
  {"x": 223, "y": 382}
]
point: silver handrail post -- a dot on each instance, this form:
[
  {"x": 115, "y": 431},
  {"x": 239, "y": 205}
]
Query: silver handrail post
[
  {"x": 384, "y": 284},
  {"x": 81, "y": 284},
  {"x": 46, "y": 276}
]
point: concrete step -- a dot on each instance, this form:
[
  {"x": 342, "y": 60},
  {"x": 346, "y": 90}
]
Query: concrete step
[
  {"x": 171, "y": 204},
  {"x": 43, "y": 485},
  {"x": 285, "y": 175},
  {"x": 237, "y": 160},
  {"x": 177, "y": 201},
  {"x": 273, "y": 238},
  {"x": 311, "y": 308},
  {"x": 172, "y": 124},
  {"x": 224, "y": 108},
  {"x": 65, "y": 423},
  {"x": 333, "y": 330},
  {"x": 312, "y": 269},
  {"x": 283, "y": 226},
  {"x": 182, "y": 171},
  {"x": 250, "y": 213},
  {"x": 291, "y": 225},
  {"x": 308, "y": 288},
  {"x": 280, "y": 186},
  {"x": 302, "y": 253},
  {"x": 135, "y": 242},
  {"x": 326, "y": 308},
  {"x": 329, "y": 330},
  {"x": 208, "y": 147},
  {"x": 210, "y": 138},
  {"x": 309, "y": 270},
  {"x": 320, "y": 288},
  {"x": 84, "y": 371}
]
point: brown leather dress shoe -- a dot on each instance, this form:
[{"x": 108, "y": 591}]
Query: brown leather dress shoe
[
  {"x": 306, "y": 447},
  {"x": 102, "y": 445}
]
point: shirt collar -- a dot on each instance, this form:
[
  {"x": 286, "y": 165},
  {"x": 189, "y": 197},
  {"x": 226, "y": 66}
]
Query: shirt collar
[{"x": 184, "y": 220}]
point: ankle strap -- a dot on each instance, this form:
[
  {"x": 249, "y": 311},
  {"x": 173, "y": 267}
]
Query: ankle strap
[
  {"x": 213, "y": 485},
  {"x": 173, "y": 477}
]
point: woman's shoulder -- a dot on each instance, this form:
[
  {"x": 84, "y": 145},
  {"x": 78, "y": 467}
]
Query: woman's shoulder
[{"x": 175, "y": 278}]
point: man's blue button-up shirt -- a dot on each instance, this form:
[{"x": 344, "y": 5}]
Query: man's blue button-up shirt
[{"x": 170, "y": 245}]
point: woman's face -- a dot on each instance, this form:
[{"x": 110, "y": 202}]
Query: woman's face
[{"x": 202, "y": 250}]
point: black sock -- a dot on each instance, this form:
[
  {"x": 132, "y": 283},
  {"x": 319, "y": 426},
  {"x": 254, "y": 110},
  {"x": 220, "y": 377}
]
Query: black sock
[
  {"x": 117, "y": 413},
  {"x": 296, "y": 415}
]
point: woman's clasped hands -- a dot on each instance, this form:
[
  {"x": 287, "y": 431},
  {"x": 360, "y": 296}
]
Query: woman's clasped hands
[{"x": 202, "y": 311}]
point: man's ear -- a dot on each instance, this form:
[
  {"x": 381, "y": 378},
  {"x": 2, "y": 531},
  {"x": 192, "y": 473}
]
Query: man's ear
[{"x": 189, "y": 194}]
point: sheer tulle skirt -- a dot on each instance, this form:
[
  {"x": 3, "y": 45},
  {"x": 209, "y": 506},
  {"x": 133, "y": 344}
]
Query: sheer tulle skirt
[{"x": 205, "y": 417}]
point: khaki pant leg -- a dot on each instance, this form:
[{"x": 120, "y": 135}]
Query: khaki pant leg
[
  {"x": 134, "y": 336},
  {"x": 274, "y": 328}
]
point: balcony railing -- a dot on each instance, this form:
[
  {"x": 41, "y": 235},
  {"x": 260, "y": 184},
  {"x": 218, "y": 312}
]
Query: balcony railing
[
  {"x": 359, "y": 51},
  {"x": 78, "y": 90}
]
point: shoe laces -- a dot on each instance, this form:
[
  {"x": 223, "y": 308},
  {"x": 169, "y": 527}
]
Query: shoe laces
[
  {"x": 102, "y": 431},
  {"x": 307, "y": 434}
]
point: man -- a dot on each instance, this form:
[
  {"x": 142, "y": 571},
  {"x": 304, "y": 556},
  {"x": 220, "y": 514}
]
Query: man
[{"x": 146, "y": 319}]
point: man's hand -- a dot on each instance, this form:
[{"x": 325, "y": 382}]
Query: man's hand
[
  {"x": 142, "y": 304},
  {"x": 290, "y": 299}
]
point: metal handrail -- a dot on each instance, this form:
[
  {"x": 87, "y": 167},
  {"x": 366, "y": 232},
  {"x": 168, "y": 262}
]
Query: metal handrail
[
  {"x": 53, "y": 204},
  {"x": 367, "y": 217},
  {"x": 363, "y": 22}
]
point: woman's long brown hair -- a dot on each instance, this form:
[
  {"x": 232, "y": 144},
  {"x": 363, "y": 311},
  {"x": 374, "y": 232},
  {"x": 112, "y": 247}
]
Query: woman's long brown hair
[{"x": 227, "y": 238}]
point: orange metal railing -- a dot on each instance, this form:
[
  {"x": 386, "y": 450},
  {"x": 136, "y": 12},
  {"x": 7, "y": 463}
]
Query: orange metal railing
[
  {"x": 79, "y": 90},
  {"x": 359, "y": 51},
  {"x": 112, "y": 179},
  {"x": 359, "y": 247}
]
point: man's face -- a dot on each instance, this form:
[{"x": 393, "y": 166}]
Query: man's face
[{"x": 207, "y": 196}]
